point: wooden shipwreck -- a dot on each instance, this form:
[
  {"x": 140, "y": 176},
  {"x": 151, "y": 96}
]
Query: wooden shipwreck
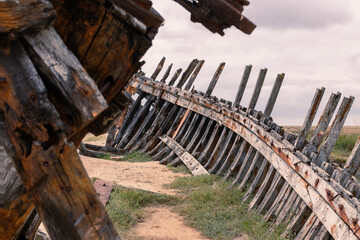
[
  {"x": 287, "y": 177},
  {"x": 65, "y": 67}
]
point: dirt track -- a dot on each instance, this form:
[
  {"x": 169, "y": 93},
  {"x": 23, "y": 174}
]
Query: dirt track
[{"x": 160, "y": 222}]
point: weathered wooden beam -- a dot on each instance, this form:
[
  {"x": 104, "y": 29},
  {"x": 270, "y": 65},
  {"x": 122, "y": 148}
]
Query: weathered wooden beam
[
  {"x": 314, "y": 192},
  {"x": 274, "y": 93},
  {"x": 15, "y": 203},
  {"x": 48, "y": 165},
  {"x": 110, "y": 150},
  {"x": 300, "y": 141},
  {"x": 109, "y": 38},
  {"x": 257, "y": 89},
  {"x": 167, "y": 73},
  {"x": 187, "y": 73},
  {"x": 158, "y": 69},
  {"x": 353, "y": 162},
  {"x": 323, "y": 124},
  {"x": 216, "y": 15},
  {"x": 69, "y": 86},
  {"x": 190, "y": 162},
  {"x": 214, "y": 79},
  {"x": 25, "y": 16},
  {"x": 175, "y": 76},
  {"x": 334, "y": 132},
  {"x": 194, "y": 75},
  {"x": 242, "y": 86}
]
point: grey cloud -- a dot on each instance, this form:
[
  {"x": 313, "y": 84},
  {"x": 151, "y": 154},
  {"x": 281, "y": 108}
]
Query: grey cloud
[{"x": 294, "y": 14}]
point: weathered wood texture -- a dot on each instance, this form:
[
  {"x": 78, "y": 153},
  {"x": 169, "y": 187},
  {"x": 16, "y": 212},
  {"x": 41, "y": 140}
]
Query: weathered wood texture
[
  {"x": 300, "y": 141},
  {"x": 68, "y": 85},
  {"x": 257, "y": 89},
  {"x": 15, "y": 207},
  {"x": 216, "y": 15},
  {"x": 21, "y": 16},
  {"x": 190, "y": 162},
  {"x": 214, "y": 80},
  {"x": 240, "y": 144},
  {"x": 48, "y": 165},
  {"x": 109, "y": 38},
  {"x": 242, "y": 86},
  {"x": 273, "y": 95}
]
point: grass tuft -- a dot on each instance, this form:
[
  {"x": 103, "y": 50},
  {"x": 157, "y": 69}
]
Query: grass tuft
[
  {"x": 136, "y": 156},
  {"x": 218, "y": 211},
  {"x": 343, "y": 147},
  {"x": 125, "y": 205},
  {"x": 105, "y": 156},
  {"x": 179, "y": 169}
]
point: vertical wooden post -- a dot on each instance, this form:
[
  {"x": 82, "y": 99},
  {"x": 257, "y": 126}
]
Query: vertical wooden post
[
  {"x": 214, "y": 79},
  {"x": 257, "y": 90},
  {"x": 322, "y": 124},
  {"x": 175, "y": 76},
  {"x": 274, "y": 93},
  {"x": 187, "y": 73},
  {"x": 242, "y": 86},
  {"x": 166, "y": 74},
  {"x": 194, "y": 75},
  {"x": 158, "y": 69},
  {"x": 48, "y": 165},
  {"x": 353, "y": 162},
  {"x": 300, "y": 141},
  {"x": 334, "y": 132}
]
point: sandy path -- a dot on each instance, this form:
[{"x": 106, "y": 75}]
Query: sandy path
[
  {"x": 164, "y": 225},
  {"x": 149, "y": 176},
  {"x": 160, "y": 222}
]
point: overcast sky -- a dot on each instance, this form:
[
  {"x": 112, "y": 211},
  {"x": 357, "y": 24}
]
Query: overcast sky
[{"x": 315, "y": 43}]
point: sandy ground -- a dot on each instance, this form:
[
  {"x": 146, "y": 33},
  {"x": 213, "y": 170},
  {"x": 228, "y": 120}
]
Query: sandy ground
[
  {"x": 164, "y": 225},
  {"x": 160, "y": 222},
  {"x": 149, "y": 176}
]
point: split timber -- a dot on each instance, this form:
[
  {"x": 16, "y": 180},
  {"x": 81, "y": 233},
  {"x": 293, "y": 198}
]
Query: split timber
[{"x": 286, "y": 177}]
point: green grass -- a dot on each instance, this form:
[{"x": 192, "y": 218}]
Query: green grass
[
  {"x": 179, "y": 169},
  {"x": 125, "y": 206},
  {"x": 105, "y": 156},
  {"x": 136, "y": 156},
  {"x": 218, "y": 212},
  {"x": 343, "y": 147}
]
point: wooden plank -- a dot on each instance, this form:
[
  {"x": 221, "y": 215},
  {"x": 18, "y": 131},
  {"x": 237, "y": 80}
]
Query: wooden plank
[
  {"x": 71, "y": 90},
  {"x": 183, "y": 139},
  {"x": 214, "y": 79},
  {"x": 257, "y": 89},
  {"x": 174, "y": 77},
  {"x": 224, "y": 152},
  {"x": 194, "y": 75},
  {"x": 158, "y": 69},
  {"x": 15, "y": 203},
  {"x": 288, "y": 165},
  {"x": 25, "y": 16},
  {"x": 274, "y": 94},
  {"x": 242, "y": 86},
  {"x": 253, "y": 170},
  {"x": 186, "y": 74},
  {"x": 48, "y": 165},
  {"x": 353, "y": 162},
  {"x": 190, "y": 162},
  {"x": 250, "y": 156},
  {"x": 334, "y": 132},
  {"x": 218, "y": 148},
  {"x": 323, "y": 124},
  {"x": 231, "y": 155},
  {"x": 300, "y": 141},
  {"x": 166, "y": 74}
]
